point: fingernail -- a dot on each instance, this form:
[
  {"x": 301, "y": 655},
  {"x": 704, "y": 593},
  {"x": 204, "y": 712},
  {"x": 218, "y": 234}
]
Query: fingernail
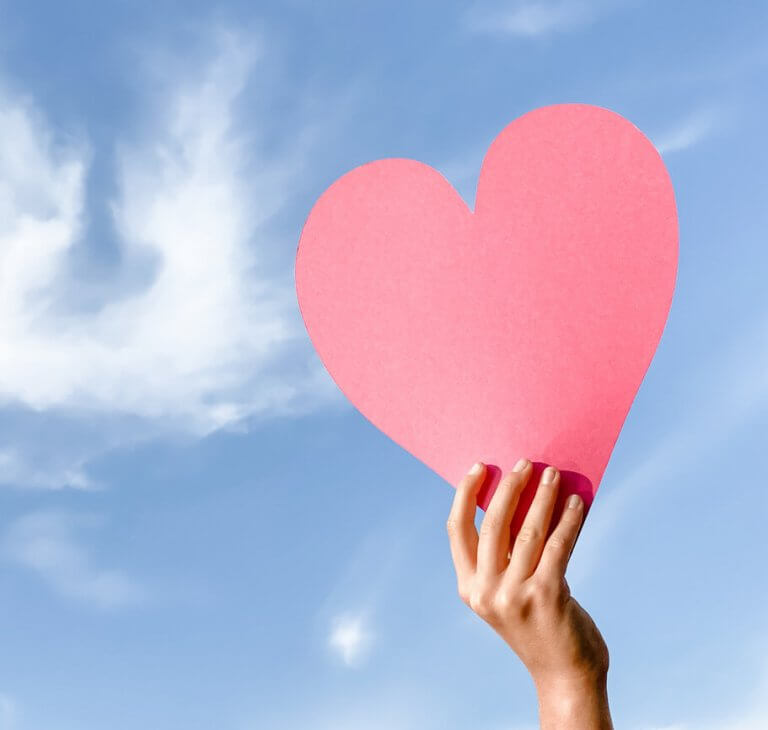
[
  {"x": 574, "y": 501},
  {"x": 520, "y": 466},
  {"x": 476, "y": 468},
  {"x": 549, "y": 475}
]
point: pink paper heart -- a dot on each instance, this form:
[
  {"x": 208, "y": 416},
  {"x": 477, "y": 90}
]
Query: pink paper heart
[{"x": 522, "y": 329}]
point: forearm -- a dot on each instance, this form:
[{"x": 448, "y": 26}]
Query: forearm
[{"x": 574, "y": 704}]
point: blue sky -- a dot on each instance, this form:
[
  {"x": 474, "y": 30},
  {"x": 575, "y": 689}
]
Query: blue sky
[{"x": 197, "y": 530}]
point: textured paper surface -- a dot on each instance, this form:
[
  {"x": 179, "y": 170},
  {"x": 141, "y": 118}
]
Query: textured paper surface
[{"x": 523, "y": 328}]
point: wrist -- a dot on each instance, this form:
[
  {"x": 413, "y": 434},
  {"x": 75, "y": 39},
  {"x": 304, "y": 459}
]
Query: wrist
[{"x": 577, "y": 701}]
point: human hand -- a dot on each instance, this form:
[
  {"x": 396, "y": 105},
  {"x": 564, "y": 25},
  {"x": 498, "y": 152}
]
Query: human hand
[{"x": 521, "y": 592}]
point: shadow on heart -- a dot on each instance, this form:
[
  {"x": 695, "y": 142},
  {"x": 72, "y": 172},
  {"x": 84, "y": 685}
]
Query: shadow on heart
[{"x": 571, "y": 482}]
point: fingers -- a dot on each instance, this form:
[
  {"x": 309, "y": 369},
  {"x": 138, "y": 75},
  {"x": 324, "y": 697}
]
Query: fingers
[
  {"x": 529, "y": 542},
  {"x": 461, "y": 522},
  {"x": 558, "y": 548},
  {"x": 493, "y": 544}
]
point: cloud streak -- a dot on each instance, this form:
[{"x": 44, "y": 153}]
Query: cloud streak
[
  {"x": 742, "y": 392},
  {"x": 688, "y": 132}
]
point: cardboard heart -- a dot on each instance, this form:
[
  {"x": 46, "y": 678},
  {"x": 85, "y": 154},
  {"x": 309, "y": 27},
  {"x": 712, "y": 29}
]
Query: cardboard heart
[{"x": 522, "y": 329}]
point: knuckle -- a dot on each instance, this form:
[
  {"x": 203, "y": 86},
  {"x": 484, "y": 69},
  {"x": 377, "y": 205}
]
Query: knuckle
[
  {"x": 557, "y": 543},
  {"x": 452, "y": 526},
  {"x": 481, "y": 603},
  {"x": 540, "y": 592},
  {"x": 492, "y": 522},
  {"x": 528, "y": 534},
  {"x": 506, "y": 602},
  {"x": 464, "y": 592},
  {"x": 509, "y": 480}
]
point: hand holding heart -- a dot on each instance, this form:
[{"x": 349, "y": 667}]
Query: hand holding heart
[{"x": 519, "y": 588}]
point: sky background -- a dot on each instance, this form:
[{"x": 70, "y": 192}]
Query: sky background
[{"x": 197, "y": 530}]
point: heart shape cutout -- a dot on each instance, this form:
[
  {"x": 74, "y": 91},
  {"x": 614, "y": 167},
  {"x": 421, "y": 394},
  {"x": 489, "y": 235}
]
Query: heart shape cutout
[{"x": 523, "y": 328}]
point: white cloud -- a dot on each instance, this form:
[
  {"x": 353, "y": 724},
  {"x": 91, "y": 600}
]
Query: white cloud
[
  {"x": 532, "y": 18},
  {"x": 208, "y": 340},
  {"x": 689, "y": 131},
  {"x": 45, "y": 542},
  {"x": 350, "y": 638}
]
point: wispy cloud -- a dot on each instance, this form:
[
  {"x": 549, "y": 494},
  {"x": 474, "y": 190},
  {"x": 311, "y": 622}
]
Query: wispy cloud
[
  {"x": 211, "y": 337},
  {"x": 688, "y": 131},
  {"x": 741, "y": 392},
  {"x": 47, "y": 543},
  {"x": 350, "y": 638},
  {"x": 532, "y": 18}
]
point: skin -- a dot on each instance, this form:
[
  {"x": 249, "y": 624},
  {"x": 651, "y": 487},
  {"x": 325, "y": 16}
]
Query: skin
[{"x": 520, "y": 591}]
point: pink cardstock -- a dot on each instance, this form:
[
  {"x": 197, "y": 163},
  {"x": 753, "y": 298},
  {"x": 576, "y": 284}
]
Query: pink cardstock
[{"x": 523, "y": 328}]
